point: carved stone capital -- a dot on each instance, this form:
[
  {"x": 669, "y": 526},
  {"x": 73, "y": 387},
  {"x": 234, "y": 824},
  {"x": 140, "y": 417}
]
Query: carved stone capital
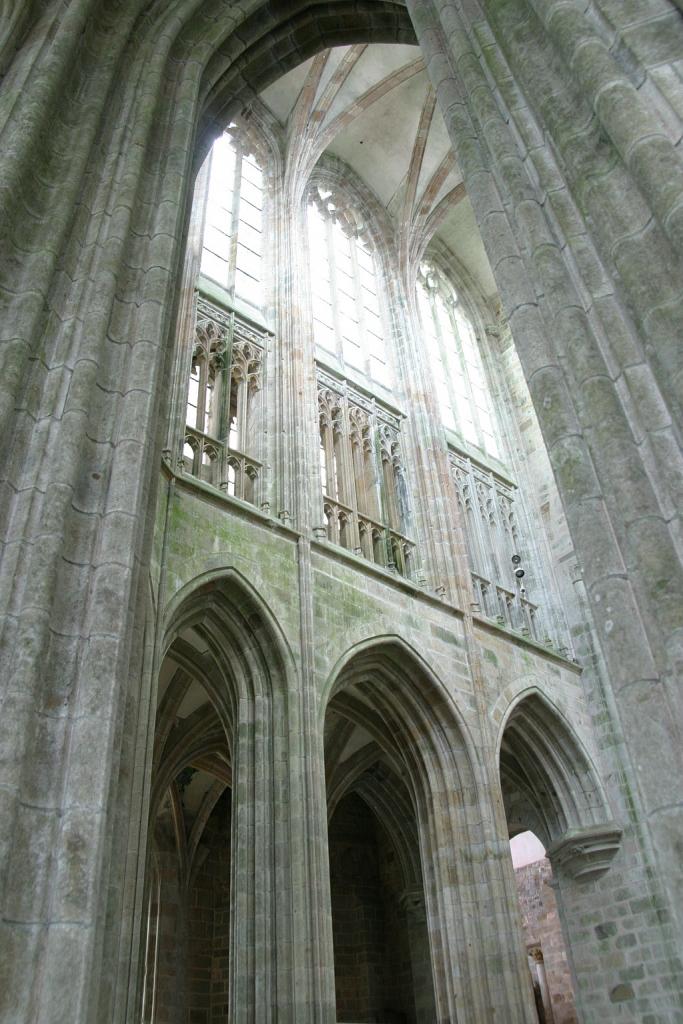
[{"x": 585, "y": 853}]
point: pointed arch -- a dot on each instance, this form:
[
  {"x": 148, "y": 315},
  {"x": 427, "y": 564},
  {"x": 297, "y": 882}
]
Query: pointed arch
[
  {"x": 274, "y": 42},
  {"x": 539, "y": 750},
  {"x": 228, "y": 588},
  {"x": 225, "y": 719},
  {"x": 549, "y": 783},
  {"x": 386, "y": 688}
]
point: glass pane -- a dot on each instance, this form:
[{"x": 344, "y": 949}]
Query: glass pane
[
  {"x": 252, "y": 172},
  {"x": 249, "y": 262},
  {"x": 368, "y": 279},
  {"x": 370, "y": 301},
  {"x": 373, "y": 323},
  {"x": 207, "y": 407},
  {"x": 324, "y": 336},
  {"x": 222, "y": 163},
  {"x": 447, "y": 416},
  {"x": 219, "y": 213},
  {"x": 248, "y": 288},
  {"x": 322, "y": 310},
  {"x": 217, "y": 242},
  {"x": 321, "y": 280},
  {"x": 375, "y": 346},
  {"x": 250, "y": 214},
  {"x": 365, "y": 260},
  {"x": 352, "y": 354},
  {"x": 379, "y": 371},
  {"x": 214, "y": 267},
  {"x": 349, "y": 328},
  {"x": 347, "y": 305},
  {"x": 250, "y": 237},
  {"x": 251, "y": 194}
]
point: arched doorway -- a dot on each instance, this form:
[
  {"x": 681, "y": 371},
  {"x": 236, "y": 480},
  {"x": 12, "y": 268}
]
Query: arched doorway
[
  {"x": 382, "y": 960},
  {"x": 187, "y": 938},
  {"x": 563, "y": 837},
  {"x": 214, "y": 893},
  {"x": 393, "y": 738}
]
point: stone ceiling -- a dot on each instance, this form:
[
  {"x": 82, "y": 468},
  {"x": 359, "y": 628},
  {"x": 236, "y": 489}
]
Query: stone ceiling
[{"x": 374, "y": 108}]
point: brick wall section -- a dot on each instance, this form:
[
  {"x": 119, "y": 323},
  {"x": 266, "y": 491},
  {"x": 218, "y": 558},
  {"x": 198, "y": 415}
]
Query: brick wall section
[{"x": 541, "y": 922}]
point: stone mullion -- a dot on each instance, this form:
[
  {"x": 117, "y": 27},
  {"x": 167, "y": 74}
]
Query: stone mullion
[
  {"x": 348, "y": 472},
  {"x": 483, "y": 526},
  {"x": 330, "y": 469},
  {"x": 445, "y": 354},
  {"x": 578, "y": 482},
  {"x": 473, "y": 520},
  {"x": 342, "y": 453},
  {"x": 473, "y": 410},
  {"x": 235, "y": 221},
  {"x": 360, "y": 309},
  {"x": 242, "y": 411},
  {"x": 332, "y": 264},
  {"x": 359, "y": 475}
]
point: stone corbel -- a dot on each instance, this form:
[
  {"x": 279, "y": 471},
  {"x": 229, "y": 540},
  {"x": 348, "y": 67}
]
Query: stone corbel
[{"x": 585, "y": 853}]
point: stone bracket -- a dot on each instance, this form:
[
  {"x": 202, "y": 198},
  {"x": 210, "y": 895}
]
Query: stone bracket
[{"x": 586, "y": 853}]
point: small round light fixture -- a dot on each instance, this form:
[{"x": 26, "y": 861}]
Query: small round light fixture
[{"x": 516, "y": 559}]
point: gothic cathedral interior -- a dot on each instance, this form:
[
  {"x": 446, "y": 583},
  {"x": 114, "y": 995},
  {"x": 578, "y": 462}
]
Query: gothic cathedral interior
[{"x": 341, "y": 508}]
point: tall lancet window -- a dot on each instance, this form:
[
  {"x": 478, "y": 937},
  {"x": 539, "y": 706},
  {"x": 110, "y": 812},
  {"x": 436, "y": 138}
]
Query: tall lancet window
[
  {"x": 232, "y": 246},
  {"x": 463, "y": 392},
  {"x": 347, "y": 315}
]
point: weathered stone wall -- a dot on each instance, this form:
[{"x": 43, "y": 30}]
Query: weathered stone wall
[{"x": 351, "y": 604}]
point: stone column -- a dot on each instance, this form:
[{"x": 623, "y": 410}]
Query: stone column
[
  {"x": 439, "y": 534},
  {"x": 476, "y": 958},
  {"x": 84, "y": 369}
]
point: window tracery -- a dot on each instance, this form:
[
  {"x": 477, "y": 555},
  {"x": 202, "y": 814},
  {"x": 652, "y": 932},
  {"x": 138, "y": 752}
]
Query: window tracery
[
  {"x": 347, "y": 314},
  {"x": 487, "y": 506},
  {"x": 225, "y": 378},
  {"x": 363, "y": 484}
]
